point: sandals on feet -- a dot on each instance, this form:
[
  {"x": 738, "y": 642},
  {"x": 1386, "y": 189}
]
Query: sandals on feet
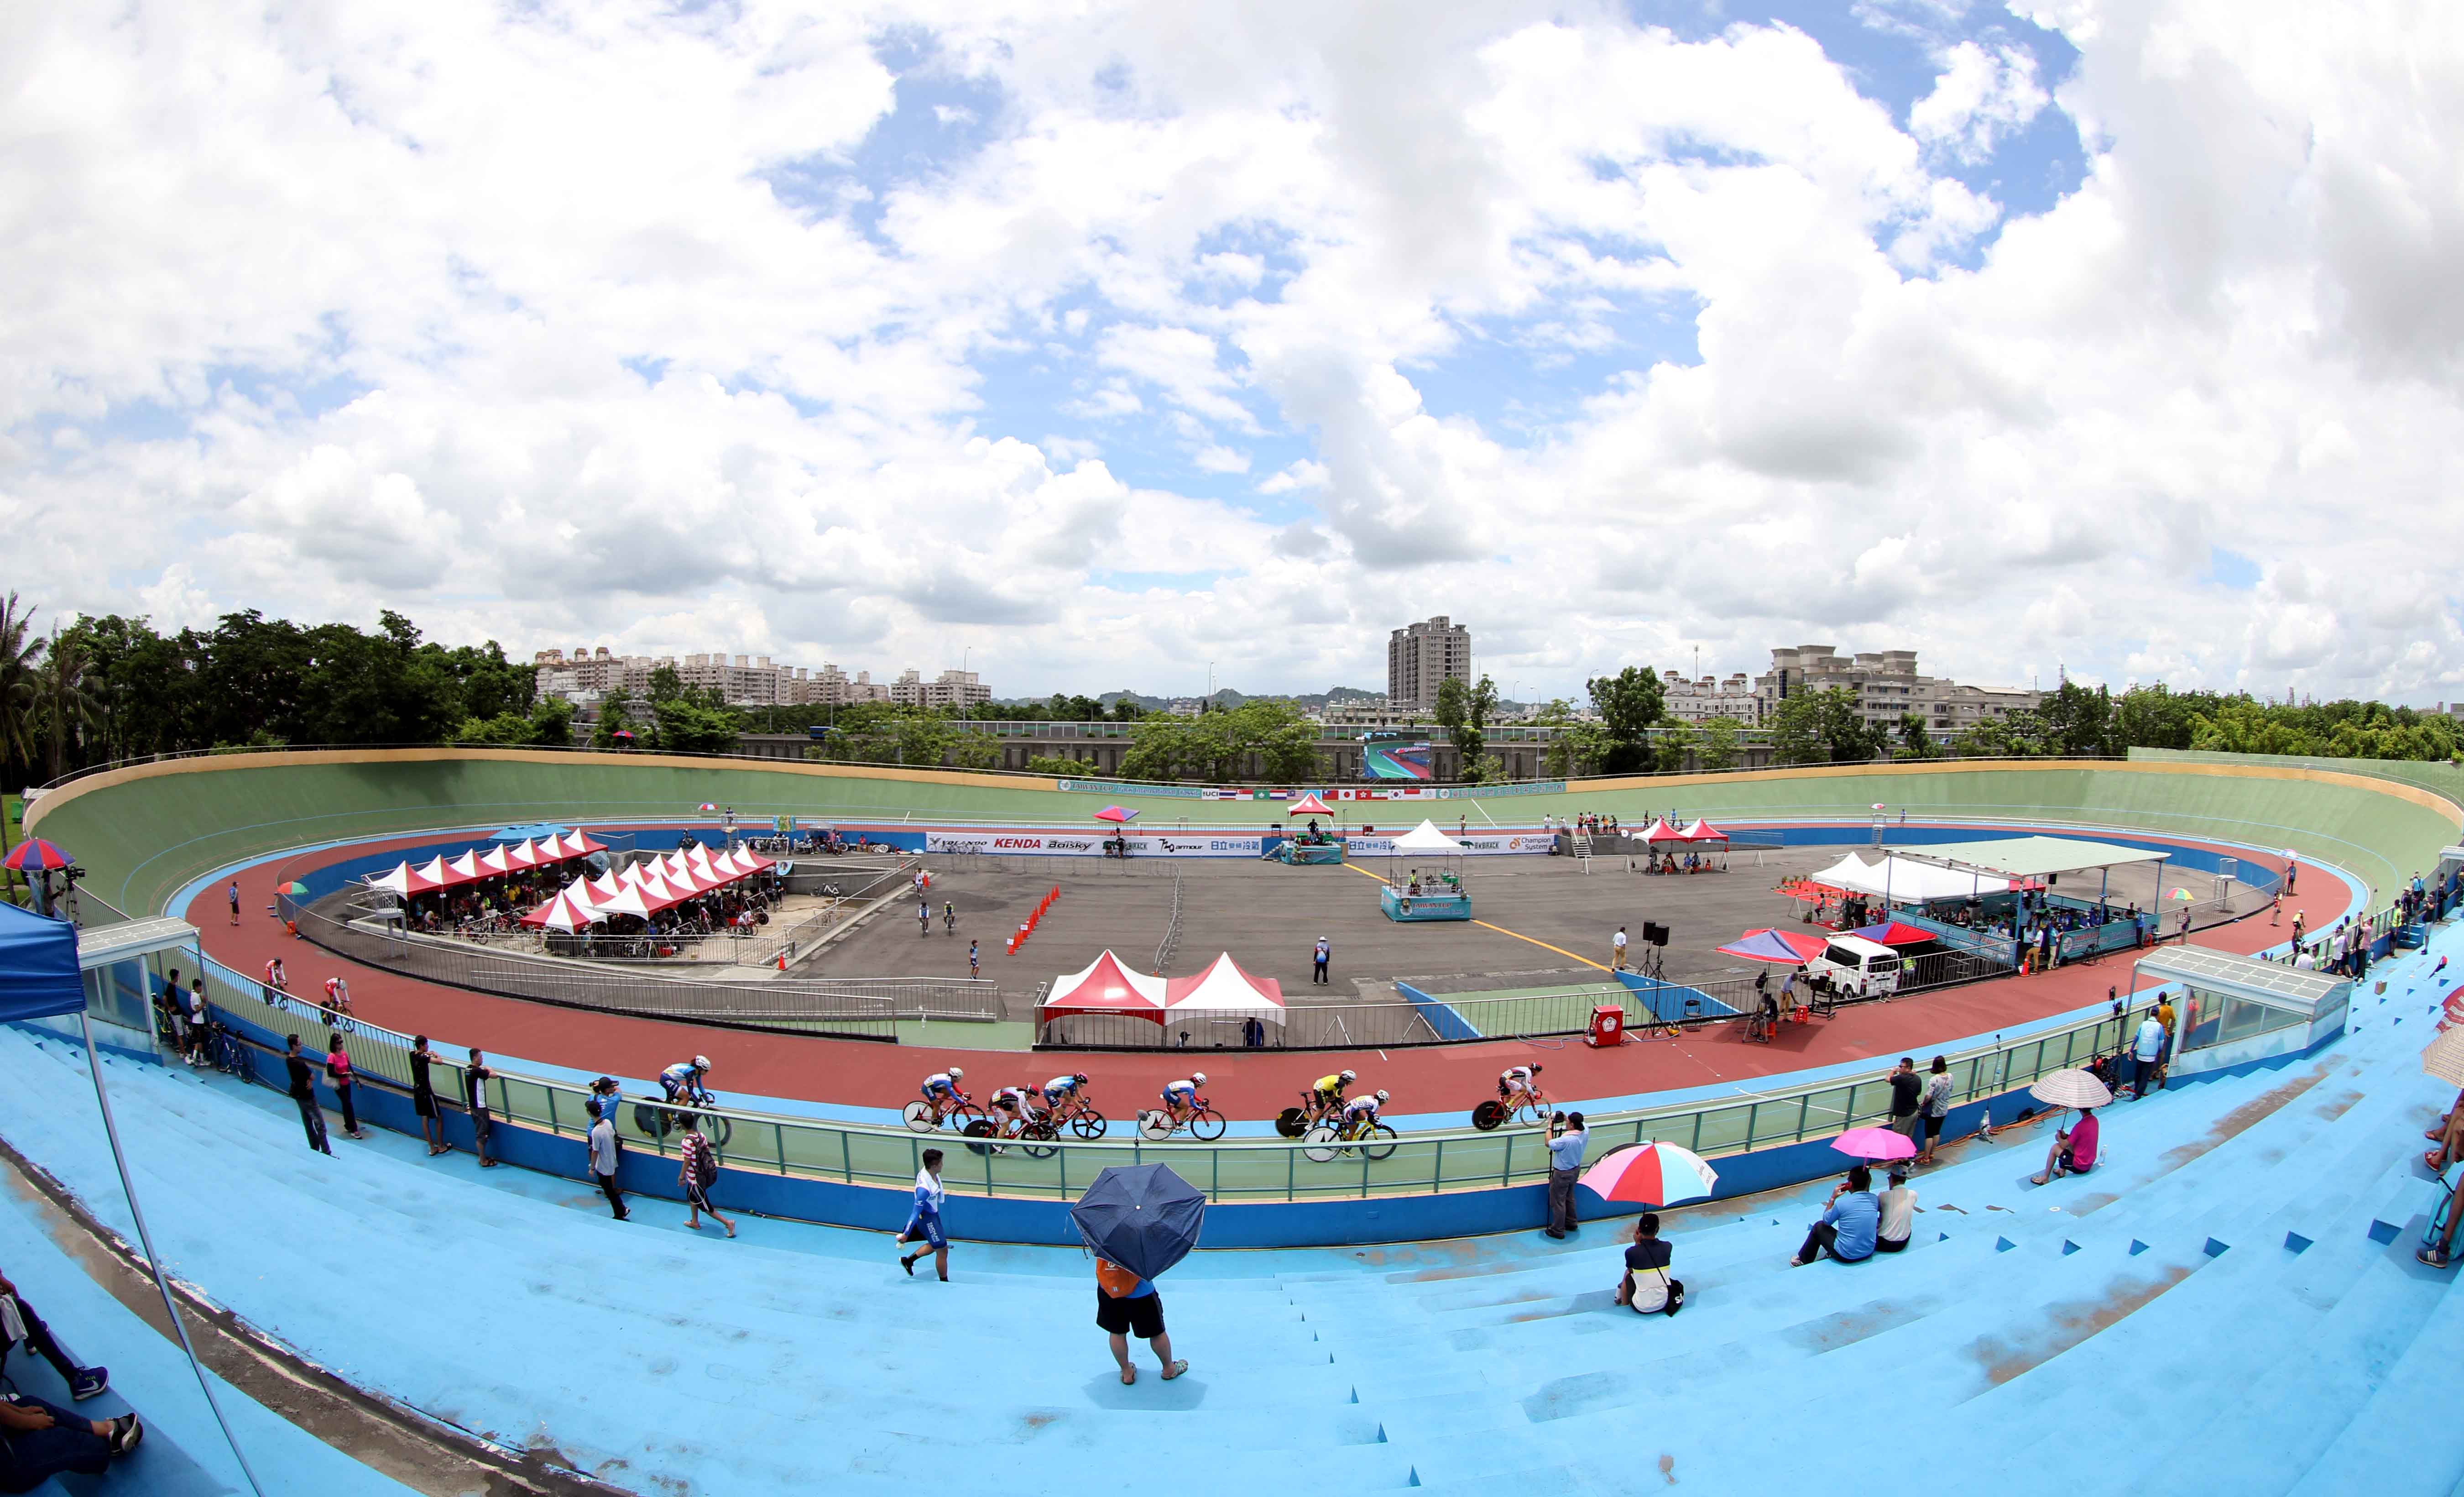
[
  {"x": 1128, "y": 1375},
  {"x": 1174, "y": 1371}
]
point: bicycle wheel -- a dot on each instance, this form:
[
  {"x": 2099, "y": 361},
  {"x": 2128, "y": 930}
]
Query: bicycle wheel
[
  {"x": 719, "y": 1131},
  {"x": 979, "y": 1128},
  {"x": 1038, "y": 1139},
  {"x": 919, "y": 1117},
  {"x": 650, "y": 1120},
  {"x": 1488, "y": 1115},
  {"x": 1206, "y": 1125},
  {"x": 1319, "y": 1146},
  {"x": 1088, "y": 1124},
  {"x": 1154, "y": 1126},
  {"x": 1291, "y": 1122},
  {"x": 1380, "y": 1142}
]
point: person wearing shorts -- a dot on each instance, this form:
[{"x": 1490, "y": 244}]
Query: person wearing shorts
[
  {"x": 1935, "y": 1110},
  {"x": 1128, "y": 1306},
  {"x": 924, "y": 1224},
  {"x": 234, "y": 903},
  {"x": 697, "y": 1174}
]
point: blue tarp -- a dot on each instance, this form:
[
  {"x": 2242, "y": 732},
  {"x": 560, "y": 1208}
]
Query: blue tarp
[
  {"x": 530, "y": 833},
  {"x": 38, "y": 966}
]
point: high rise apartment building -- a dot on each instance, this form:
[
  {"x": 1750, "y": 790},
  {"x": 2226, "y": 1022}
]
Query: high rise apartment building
[
  {"x": 1421, "y": 656},
  {"x": 1699, "y": 701},
  {"x": 588, "y": 674}
]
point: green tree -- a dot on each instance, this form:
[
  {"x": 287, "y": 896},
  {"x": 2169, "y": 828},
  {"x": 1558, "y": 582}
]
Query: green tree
[
  {"x": 1464, "y": 710},
  {"x": 1628, "y": 702},
  {"x": 1672, "y": 743},
  {"x": 615, "y": 716},
  {"x": 1822, "y": 727},
  {"x": 2077, "y": 720},
  {"x": 1575, "y": 747},
  {"x": 974, "y": 750},
  {"x": 71, "y": 706},
  {"x": 1720, "y": 747},
  {"x": 666, "y": 685},
  {"x": 1915, "y": 742},
  {"x": 1060, "y": 767},
  {"x": 692, "y": 727},
  {"x": 21, "y": 653},
  {"x": 1164, "y": 746}
]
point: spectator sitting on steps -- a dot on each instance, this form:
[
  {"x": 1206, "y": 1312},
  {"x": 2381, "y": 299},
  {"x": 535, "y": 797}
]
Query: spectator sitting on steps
[
  {"x": 2074, "y": 1150},
  {"x": 1850, "y": 1220},
  {"x": 1645, "y": 1286}
]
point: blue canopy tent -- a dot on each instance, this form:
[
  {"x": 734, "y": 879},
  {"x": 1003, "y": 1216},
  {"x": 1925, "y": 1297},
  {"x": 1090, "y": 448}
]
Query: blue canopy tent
[{"x": 40, "y": 978}]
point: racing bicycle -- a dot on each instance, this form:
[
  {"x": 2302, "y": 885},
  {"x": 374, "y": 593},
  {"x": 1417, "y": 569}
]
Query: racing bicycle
[
  {"x": 1493, "y": 1113},
  {"x": 1294, "y": 1121},
  {"x": 657, "y": 1119},
  {"x": 924, "y": 1117},
  {"x": 1373, "y": 1138},
  {"x": 1203, "y": 1122}
]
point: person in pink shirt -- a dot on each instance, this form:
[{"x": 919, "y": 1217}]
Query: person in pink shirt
[{"x": 2074, "y": 1150}]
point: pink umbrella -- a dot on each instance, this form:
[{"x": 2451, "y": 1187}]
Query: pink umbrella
[
  {"x": 1874, "y": 1144},
  {"x": 1114, "y": 813},
  {"x": 1651, "y": 1174}
]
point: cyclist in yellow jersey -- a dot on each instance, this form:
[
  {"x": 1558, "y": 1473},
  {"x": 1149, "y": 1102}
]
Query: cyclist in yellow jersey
[{"x": 1327, "y": 1091}]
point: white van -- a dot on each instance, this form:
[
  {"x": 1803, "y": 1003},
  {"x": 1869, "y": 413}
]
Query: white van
[{"x": 1856, "y": 967}]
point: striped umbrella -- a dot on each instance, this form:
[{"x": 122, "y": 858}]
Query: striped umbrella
[
  {"x": 1651, "y": 1174},
  {"x": 34, "y": 855}
]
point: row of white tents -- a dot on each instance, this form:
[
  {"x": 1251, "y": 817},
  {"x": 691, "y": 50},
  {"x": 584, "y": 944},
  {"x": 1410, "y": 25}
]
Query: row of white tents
[
  {"x": 443, "y": 872},
  {"x": 642, "y": 889}
]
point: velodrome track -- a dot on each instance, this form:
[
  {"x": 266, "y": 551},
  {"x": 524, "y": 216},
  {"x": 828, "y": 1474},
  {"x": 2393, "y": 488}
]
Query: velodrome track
[{"x": 145, "y": 831}]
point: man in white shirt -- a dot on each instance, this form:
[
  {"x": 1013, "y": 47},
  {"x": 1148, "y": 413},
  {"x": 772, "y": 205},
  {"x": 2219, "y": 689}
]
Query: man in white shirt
[
  {"x": 1616, "y": 950},
  {"x": 1899, "y": 1206},
  {"x": 603, "y": 1163},
  {"x": 2148, "y": 1049}
]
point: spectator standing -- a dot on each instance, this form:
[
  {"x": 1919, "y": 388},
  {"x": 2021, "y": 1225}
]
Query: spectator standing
[
  {"x": 1896, "y": 1218},
  {"x": 2185, "y": 926},
  {"x": 2074, "y": 1150},
  {"x": 1127, "y": 1306},
  {"x": 924, "y": 1223},
  {"x": 1905, "y": 1092},
  {"x": 303, "y": 1091},
  {"x": 1565, "y": 1142},
  {"x": 423, "y": 1098},
  {"x": 1936, "y": 1107},
  {"x": 200, "y": 1026},
  {"x": 698, "y": 1174},
  {"x": 234, "y": 901},
  {"x": 1849, "y": 1224},
  {"x": 603, "y": 1162},
  {"x": 974, "y": 960},
  {"x": 474, "y": 1093},
  {"x": 337, "y": 1075},
  {"x": 1319, "y": 955},
  {"x": 1616, "y": 950},
  {"x": 2148, "y": 1052},
  {"x": 1645, "y": 1286}
]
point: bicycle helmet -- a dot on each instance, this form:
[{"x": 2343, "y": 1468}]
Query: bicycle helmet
[
  {"x": 1381, "y": 1093},
  {"x": 1198, "y": 1076},
  {"x": 956, "y": 1074},
  {"x": 1535, "y": 1069},
  {"x": 701, "y": 1063},
  {"x": 1080, "y": 1078},
  {"x": 1352, "y": 1075}
]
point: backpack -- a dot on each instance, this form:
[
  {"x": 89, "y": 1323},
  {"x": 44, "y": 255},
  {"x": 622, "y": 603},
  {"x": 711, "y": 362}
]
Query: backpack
[
  {"x": 1114, "y": 1280},
  {"x": 705, "y": 1164}
]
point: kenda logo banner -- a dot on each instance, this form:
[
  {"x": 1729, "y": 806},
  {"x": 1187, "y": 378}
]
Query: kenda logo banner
[
  {"x": 1475, "y": 846},
  {"x": 1082, "y": 844}
]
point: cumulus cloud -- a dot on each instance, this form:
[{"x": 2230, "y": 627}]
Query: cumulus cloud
[{"x": 1161, "y": 334}]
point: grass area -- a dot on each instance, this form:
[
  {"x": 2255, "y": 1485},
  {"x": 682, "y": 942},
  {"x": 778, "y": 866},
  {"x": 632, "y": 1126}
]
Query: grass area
[
  {"x": 1009, "y": 1034},
  {"x": 1508, "y": 1012}
]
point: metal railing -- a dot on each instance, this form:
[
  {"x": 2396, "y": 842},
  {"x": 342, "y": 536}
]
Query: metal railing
[
  {"x": 851, "y": 1007},
  {"x": 1230, "y": 1169}
]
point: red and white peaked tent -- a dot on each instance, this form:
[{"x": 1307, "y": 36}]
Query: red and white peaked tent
[
  {"x": 568, "y": 911},
  {"x": 1308, "y": 805},
  {"x": 1660, "y": 831},
  {"x": 1223, "y": 989},
  {"x": 1703, "y": 831},
  {"x": 1106, "y": 987}
]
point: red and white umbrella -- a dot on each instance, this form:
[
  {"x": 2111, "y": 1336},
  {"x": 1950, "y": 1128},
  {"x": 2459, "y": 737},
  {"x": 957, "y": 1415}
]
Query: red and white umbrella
[{"x": 1651, "y": 1174}]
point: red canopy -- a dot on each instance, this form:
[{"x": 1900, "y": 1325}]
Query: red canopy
[
  {"x": 1703, "y": 831},
  {"x": 1308, "y": 805},
  {"x": 1661, "y": 831},
  {"x": 1106, "y": 987},
  {"x": 1893, "y": 933}
]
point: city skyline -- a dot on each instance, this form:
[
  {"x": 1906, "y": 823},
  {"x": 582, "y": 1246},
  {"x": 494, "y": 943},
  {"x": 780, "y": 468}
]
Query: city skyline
[{"x": 1102, "y": 343}]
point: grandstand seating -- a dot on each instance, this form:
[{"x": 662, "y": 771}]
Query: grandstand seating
[{"x": 2229, "y": 1304}]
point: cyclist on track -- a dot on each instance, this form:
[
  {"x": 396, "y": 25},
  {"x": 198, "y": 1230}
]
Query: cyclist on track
[
  {"x": 923, "y": 917},
  {"x": 1518, "y": 1084},
  {"x": 1181, "y": 1098},
  {"x": 1361, "y": 1111},
  {"x": 942, "y": 1091},
  {"x": 337, "y": 999},
  {"x": 1326, "y": 1093},
  {"x": 948, "y": 916},
  {"x": 276, "y": 978},
  {"x": 686, "y": 1082},
  {"x": 1013, "y": 1107},
  {"x": 1064, "y": 1091}
]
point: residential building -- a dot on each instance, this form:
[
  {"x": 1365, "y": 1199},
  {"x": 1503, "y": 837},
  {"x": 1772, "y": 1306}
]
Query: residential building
[
  {"x": 589, "y": 674},
  {"x": 959, "y": 689},
  {"x": 1421, "y": 656},
  {"x": 1700, "y": 700},
  {"x": 1887, "y": 687}
]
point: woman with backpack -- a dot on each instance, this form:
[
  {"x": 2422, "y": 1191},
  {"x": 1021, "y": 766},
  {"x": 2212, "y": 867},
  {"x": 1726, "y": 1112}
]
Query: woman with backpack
[
  {"x": 1124, "y": 1306},
  {"x": 700, "y": 1171}
]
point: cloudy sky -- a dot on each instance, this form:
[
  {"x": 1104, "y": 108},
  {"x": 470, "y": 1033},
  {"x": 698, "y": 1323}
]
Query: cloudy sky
[{"x": 1096, "y": 342}]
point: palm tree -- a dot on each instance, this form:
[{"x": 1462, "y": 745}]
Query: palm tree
[
  {"x": 71, "y": 702},
  {"x": 20, "y": 650}
]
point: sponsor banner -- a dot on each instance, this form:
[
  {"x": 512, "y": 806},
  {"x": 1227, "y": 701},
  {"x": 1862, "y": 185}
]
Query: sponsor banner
[
  {"x": 1091, "y": 844},
  {"x": 1522, "y": 787},
  {"x": 1477, "y": 845},
  {"x": 1122, "y": 787}
]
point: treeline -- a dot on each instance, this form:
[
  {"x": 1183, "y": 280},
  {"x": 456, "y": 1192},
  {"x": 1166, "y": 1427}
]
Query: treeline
[{"x": 89, "y": 691}]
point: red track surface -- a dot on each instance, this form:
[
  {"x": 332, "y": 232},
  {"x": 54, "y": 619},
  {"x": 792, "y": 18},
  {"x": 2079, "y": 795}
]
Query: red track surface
[{"x": 1434, "y": 1079}]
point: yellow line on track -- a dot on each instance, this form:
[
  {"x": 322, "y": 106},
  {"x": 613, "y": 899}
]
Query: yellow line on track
[{"x": 1503, "y": 931}]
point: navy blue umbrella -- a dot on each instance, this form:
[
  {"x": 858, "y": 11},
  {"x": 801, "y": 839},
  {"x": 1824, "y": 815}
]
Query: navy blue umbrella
[{"x": 1142, "y": 1217}]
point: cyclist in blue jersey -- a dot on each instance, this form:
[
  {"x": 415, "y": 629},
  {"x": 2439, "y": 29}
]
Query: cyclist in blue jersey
[
  {"x": 1181, "y": 1098},
  {"x": 1061, "y": 1090},
  {"x": 941, "y": 1092},
  {"x": 686, "y": 1082},
  {"x": 1362, "y": 1111}
]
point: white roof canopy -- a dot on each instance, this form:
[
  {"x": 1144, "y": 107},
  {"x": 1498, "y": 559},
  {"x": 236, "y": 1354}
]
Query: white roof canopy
[
  {"x": 1426, "y": 838},
  {"x": 1897, "y": 878}
]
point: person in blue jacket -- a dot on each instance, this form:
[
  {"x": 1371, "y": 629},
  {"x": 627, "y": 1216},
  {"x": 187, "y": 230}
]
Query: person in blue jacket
[
  {"x": 924, "y": 1225},
  {"x": 1849, "y": 1222}
]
